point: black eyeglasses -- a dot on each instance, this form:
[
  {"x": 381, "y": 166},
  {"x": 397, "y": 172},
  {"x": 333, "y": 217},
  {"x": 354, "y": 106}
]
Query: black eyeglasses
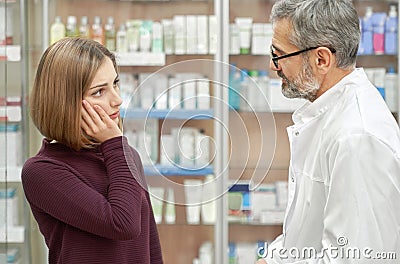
[{"x": 275, "y": 57}]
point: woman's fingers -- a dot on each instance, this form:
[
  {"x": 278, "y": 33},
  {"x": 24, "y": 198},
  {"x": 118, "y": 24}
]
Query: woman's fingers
[
  {"x": 91, "y": 118},
  {"x": 92, "y": 113},
  {"x": 97, "y": 124},
  {"x": 102, "y": 114}
]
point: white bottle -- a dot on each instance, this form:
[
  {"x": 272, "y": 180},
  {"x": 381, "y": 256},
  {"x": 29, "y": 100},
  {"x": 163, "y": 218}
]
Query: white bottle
[
  {"x": 206, "y": 253},
  {"x": 391, "y": 90},
  {"x": 98, "y": 30},
  {"x": 110, "y": 35},
  {"x": 170, "y": 215},
  {"x": 244, "y": 91},
  {"x": 157, "y": 38},
  {"x": 121, "y": 42},
  {"x": 84, "y": 29},
  {"x": 263, "y": 102},
  {"x": 71, "y": 28},
  {"x": 57, "y": 30}
]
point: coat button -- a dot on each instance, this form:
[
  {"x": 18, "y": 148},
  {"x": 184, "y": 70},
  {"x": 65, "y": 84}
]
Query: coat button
[{"x": 296, "y": 133}]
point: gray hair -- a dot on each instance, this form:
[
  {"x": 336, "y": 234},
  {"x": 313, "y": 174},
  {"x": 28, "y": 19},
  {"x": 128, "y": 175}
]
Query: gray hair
[{"x": 329, "y": 23}]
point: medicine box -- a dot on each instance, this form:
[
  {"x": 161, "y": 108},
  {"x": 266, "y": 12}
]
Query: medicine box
[{"x": 8, "y": 207}]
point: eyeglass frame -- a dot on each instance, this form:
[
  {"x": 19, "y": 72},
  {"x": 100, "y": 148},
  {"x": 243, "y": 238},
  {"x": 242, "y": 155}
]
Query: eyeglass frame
[{"x": 275, "y": 57}]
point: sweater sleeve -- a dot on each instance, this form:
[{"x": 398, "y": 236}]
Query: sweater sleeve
[{"x": 52, "y": 187}]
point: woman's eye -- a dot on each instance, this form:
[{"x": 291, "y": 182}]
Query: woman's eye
[
  {"x": 98, "y": 92},
  {"x": 115, "y": 84}
]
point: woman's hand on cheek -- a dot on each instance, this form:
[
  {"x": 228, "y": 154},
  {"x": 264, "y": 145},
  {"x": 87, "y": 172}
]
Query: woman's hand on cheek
[{"x": 97, "y": 124}]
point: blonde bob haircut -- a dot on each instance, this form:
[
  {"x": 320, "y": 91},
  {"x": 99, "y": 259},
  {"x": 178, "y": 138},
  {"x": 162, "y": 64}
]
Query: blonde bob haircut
[{"x": 66, "y": 70}]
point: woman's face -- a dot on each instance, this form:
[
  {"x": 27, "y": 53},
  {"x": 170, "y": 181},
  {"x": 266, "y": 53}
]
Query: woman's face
[{"x": 104, "y": 90}]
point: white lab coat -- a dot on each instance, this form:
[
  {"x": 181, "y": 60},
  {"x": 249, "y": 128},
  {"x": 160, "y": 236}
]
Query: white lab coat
[{"x": 344, "y": 179}]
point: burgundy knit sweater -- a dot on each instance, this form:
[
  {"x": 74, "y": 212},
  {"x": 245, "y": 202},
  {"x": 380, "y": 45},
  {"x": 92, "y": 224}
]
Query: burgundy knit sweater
[{"x": 90, "y": 205}]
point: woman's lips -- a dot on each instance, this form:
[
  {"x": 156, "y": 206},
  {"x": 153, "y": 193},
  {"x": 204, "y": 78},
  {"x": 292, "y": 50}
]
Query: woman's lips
[{"x": 115, "y": 115}]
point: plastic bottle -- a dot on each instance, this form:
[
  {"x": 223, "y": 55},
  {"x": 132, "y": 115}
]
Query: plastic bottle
[
  {"x": 234, "y": 88},
  {"x": 244, "y": 90},
  {"x": 233, "y": 258},
  {"x": 110, "y": 34},
  {"x": 133, "y": 34},
  {"x": 145, "y": 35},
  {"x": 7, "y": 22},
  {"x": 157, "y": 38},
  {"x": 84, "y": 28},
  {"x": 367, "y": 32},
  {"x": 263, "y": 102},
  {"x": 361, "y": 45},
  {"x": 391, "y": 89},
  {"x": 253, "y": 91},
  {"x": 71, "y": 28},
  {"x": 378, "y": 22},
  {"x": 57, "y": 30},
  {"x": 170, "y": 215},
  {"x": 206, "y": 253},
  {"x": 98, "y": 31},
  {"x": 121, "y": 42},
  {"x": 391, "y": 31}
]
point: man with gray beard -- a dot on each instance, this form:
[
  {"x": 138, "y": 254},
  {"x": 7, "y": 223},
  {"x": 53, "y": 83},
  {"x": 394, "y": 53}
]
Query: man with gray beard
[{"x": 344, "y": 172}]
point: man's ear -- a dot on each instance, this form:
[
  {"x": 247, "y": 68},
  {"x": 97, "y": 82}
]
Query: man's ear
[{"x": 323, "y": 59}]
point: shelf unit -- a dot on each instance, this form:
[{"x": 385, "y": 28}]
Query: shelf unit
[
  {"x": 250, "y": 232},
  {"x": 260, "y": 126},
  {"x": 146, "y": 63},
  {"x": 14, "y": 236}
]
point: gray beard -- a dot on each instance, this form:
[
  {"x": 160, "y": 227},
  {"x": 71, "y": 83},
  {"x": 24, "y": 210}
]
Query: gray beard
[{"x": 303, "y": 86}]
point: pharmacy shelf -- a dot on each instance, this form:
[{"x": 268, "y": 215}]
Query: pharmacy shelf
[
  {"x": 10, "y": 52},
  {"x": 164, "y": 170},
  {"x": 10, "y": 113},
  {"x": 167, "y": 114},
  {"x": 12, "y": 234},
  {"x": 275, "y": 218},
  {"x": 10, "y": 174},
  {"x": 140, "y": 58}
]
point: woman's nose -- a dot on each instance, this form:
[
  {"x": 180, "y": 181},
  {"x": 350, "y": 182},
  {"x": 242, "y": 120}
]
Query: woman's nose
[{"x": 116, "y": 99}]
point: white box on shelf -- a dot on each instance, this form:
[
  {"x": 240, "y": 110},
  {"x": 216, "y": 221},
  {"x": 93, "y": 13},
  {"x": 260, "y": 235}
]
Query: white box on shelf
[
  {"x": 272, "y": 217},
  {"x": 140, "y": 58},
  {"x": 189, "y": 94},
  {"x": 191, "y": 34},
  {"x": 202, "y": 142},
  {"x": 174, "y": 93},
  {"x": 10, "y": 174},
  {"x": 281, "y": 194},
  {"x": 264, "y": 199},
  {"x": 179, "y": 22},
  {"x": 186, "y": 149},
  {"x": 213, "y": 34},
  {"x": 203, "y": 94},
  {"x": 259, "y": 39},
  {"x": 11, "y": 52},
  {"x": 12, "y": 113},
  {"x": 161, "y": 91},
  {"x": 146, "y": 90},
  {"x": 202, "y": 33},
  {"x": 8, "y": 207},
  {"x": 15, "y": 234},
  {"x": 11, "y": 150},
  {"x": 167, "y": 149}
]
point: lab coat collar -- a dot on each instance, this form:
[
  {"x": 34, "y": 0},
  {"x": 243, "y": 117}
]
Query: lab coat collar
[{"x": 311, "y": 110}]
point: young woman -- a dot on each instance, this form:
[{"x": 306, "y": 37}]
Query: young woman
[{"x": 86, "y": 186}]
